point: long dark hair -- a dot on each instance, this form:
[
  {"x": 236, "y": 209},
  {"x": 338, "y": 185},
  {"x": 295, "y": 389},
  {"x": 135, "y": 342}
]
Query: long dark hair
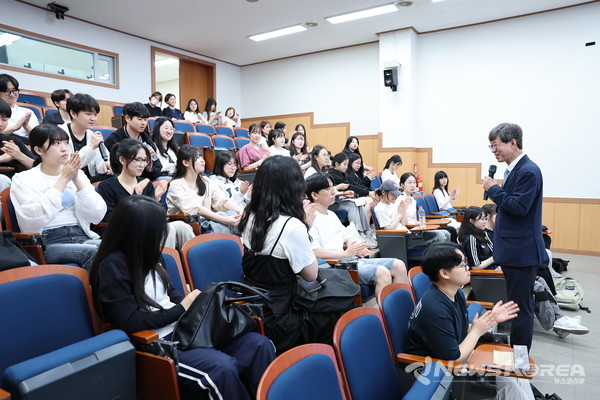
[
  {"x": 467, "y": 227},
  {"x": 278, "y": 189},
  {"x": 223, "y": 158},
  {"x": 189, "y": 153},
  {"x": 293, "y": 149},
  {"x": 348, "y": 141},
  {"x": 138, "y": 229},
  {"x": 436, "y": 182},
  {"x": 209, "y": 103},
  {"x": 188, "y": 108},
  {"x": 403, "y": 179},
  {"x": 42, "y": 134},
  {"x": 157, "y": 139},
  {"x": 274, "y": 134},
  {"x": 353, "y": 157},
  {"x": 395, "y": 159},
  {"x": 313, "y": 157}
]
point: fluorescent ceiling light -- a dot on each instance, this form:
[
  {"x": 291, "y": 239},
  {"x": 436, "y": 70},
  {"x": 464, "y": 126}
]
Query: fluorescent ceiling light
[
  {"x": 371, "y": 12},
  {"x": 277, "y": 33},
  {"x": 165, "y": 61},
  {"x": 7, "y": 39}
]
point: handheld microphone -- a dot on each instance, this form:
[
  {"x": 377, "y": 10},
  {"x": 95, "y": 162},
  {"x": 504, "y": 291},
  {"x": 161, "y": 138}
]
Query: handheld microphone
[
  {"x": 491, "y": 173},
  {"x": 103, "y": 151}
]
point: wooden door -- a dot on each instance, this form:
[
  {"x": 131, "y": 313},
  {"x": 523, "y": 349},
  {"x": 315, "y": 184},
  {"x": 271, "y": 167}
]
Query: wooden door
[{"x": 196, "y": 81}]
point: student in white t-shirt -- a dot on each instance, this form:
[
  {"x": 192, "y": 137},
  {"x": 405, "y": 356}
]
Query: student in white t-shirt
[
  {"x": 276, "y": 142},
  {"x": 22, "y": 120},
  {"x": 389, "y": 171},
  {"x": 329, "y": 237}
]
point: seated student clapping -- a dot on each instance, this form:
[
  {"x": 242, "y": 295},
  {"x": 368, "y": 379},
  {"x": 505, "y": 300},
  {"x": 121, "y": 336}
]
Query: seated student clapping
[
  {"x": 132, "y": 290},
  {"x": 13, "y": 152},
  {"x": 130, "y": 158},
  {"x": 225, "y": 177},
  {"x": 56, "y": 199},
  {"x": 163, "y": 137},
  {"x": 192, "y": 193},
  {"x": 329, "y": 237}
]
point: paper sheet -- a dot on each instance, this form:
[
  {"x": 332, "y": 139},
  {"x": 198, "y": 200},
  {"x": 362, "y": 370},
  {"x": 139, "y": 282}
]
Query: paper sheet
[{"x": 505, "y": 358}]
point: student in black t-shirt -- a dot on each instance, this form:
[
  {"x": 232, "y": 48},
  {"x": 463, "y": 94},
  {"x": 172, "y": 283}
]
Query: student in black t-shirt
[
  {"x": 154, "y": 104},
  {"x": 13, "y": 153}
]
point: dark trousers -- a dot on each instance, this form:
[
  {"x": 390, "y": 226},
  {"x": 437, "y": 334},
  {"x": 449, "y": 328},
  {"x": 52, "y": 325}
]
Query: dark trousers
[
  {"x": 234, "y": 371},
  {"x": 519, "y": 288}
]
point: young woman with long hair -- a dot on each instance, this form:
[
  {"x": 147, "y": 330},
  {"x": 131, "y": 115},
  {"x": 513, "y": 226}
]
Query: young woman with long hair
[
  {"x": 253, "y": 154},
  {"x": 277, "y": 247},
  {"x": 389, "y": 171},
  {"x": 192, "y": 193},
  {"x": 192, "y": 113},
  {"x": 299, "y": 151},
  {"x": 265, "y": 128},
  {"x": 276, "y": 142},
  {"x": 231, "y": 118},
  {"x": 476, "y": 242},
  {"x": 130, "y": 158},
  {"x": 210, "y": 113},
  {"x": 360, "y": 181},
  {"x": 56, "y": 199},
  {"x": 163, "y": 137},
  {"x": 133, "y": 291},
  {"x": 319, "y": 161},
  {"x": 225, "y": 177},
  {"x": 443, "y": 198},
  {"x": 351, "y": 147}
]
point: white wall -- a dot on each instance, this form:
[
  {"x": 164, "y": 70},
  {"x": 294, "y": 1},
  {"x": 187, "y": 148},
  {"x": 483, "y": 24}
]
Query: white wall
[
  {"x": 534, "y": 71},
  {"x": 169, "y": 87},
  {"x": 338, "y": 86},
  {"x": 134, "y": 57}
]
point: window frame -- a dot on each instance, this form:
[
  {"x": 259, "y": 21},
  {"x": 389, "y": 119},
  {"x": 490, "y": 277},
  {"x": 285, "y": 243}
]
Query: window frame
[{"x": 98, "y": 55}]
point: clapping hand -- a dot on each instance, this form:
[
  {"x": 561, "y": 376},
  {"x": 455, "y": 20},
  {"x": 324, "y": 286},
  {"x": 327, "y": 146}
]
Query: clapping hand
[{"x": 505, "y": 312}]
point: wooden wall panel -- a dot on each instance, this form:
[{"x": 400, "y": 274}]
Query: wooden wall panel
[
  {"x": 566, "y": 228},
  {"x": 589, "y": 216}
]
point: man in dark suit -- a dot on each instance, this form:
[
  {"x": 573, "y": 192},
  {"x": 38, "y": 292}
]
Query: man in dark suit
[{"x": 518, "y": 244}]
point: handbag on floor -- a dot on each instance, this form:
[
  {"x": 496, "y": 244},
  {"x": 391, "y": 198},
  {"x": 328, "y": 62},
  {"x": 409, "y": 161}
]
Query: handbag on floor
[
  {"x": 214, "y": 319},
  {"x": 12, "y": 254}
]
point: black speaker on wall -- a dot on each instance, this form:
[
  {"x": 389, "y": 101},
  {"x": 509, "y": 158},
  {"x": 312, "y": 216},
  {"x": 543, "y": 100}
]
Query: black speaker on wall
[{"x": 390, "y": 78}]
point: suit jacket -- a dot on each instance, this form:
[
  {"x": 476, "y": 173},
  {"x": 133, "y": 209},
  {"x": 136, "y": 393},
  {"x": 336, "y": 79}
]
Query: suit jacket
[{"x": 518, "y": 230}]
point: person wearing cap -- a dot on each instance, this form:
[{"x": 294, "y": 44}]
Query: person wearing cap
[{"x": 393, "y": 216}]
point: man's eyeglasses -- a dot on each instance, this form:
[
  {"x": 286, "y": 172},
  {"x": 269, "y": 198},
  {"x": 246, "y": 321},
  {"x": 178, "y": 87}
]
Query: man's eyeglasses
[
  {"x": 11, "y": 92},
  {"x": 492, "y": 146}
]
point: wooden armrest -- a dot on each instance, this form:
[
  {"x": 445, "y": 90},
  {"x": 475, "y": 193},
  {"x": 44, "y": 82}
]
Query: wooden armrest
[
  {"x": 389, "y": 231},
  {"x": 144, "y": 337},
  {"x": 342, "y": 194},
  {"x": 4, "y": 395},
  {"x": 451, "y": 366},
  {"x": 331, "y": 261},
  {"x": 485, "y": 304},
  {"x": 24, "y": 236},
  {"x": 436, "y": 216},
  {"x": 426, "y": 228},
  {"x": 487, "y": 272},
  {"x": 247, "y": 171},
  {"x": 178, "y": 217},
  {"x": 101, "y": 225}
]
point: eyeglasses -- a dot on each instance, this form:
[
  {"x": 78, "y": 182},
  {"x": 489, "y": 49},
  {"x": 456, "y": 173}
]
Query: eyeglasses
[
  {"x": 11, "y": 92},
  {"x": 463, "y": 264},
  {"x": 492, "y": 146},
  {"x": 140, "y": 160}
]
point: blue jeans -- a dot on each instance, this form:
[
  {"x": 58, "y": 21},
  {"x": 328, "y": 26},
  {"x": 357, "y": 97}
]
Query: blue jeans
[{"x": 69, "y": 245}]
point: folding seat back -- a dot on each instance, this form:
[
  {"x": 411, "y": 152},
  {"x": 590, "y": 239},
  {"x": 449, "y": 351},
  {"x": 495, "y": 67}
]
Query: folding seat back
[
  {"x": 33, "y": 99},
  {"x": 37, "y": 110},
  {"x": 241, "y": 132},
  {"x": 224, "y": 130},
  {"x": 183, "y": 126},
  {"x": 205, "y": 128}
]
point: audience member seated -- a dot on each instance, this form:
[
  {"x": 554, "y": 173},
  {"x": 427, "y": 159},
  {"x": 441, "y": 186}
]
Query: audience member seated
[
  {"x": 136, "y": 118},
  {"x": 319, "y": 161},
  {"x": 439, "y": 327},
  {"x": 13, "y": 153},
  {"x": 298, "y": 150},
  {"x": 477, "y": 242},
  {"x": 231, "y": 118},
  {"x": 59, "y": 98},
  {"x": 192, "y": 193},
  {"x": 389, "y": 171},
  {"x": 265, "y": 128},
  {"x": 276, "y": 248},
  {"x": 276, "y": 142},
  {"x": 153, "y": 106},
  {"x": 440, "y": 192},
  {"x": 56, "y": 199},
  {"x": 360, "y": 181},
  {"x": 329, "y": 237},
  {"x": 163, "y": 136},
  {"x": 210, "y": 113},
  {"x": 252, "y": 155},
  {"x": 392, "y": 214},
  {"x": 225, "y": 177},
  {"x": 133, "y": 157},
  {"x": 351, "y": 147},
  {"x": 193, "y": 114},
  {"x": 170, "y": 111},
  {"x": 22, "y": 120},
  {"x": 84, "y": 110},
  {"x": 132, "y": 290},
  {"x": 358, "y": 207},
  {"x": 281, "y": 126},
  {"x": 408, "y": 184}
]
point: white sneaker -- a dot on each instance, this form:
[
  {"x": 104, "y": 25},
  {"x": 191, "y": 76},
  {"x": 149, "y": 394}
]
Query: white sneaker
[
  {"x": 567, "y": 324},
  {"x": 576, "y": 318}
]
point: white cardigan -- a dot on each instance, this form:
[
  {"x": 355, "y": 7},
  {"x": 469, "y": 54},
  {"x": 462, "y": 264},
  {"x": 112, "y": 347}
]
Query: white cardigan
[{"x": 36, "y": 204}]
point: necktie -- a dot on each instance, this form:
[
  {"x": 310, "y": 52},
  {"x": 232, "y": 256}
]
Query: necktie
[{"x": 506, "y": 173}]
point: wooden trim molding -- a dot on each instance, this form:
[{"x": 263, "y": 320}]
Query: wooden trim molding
[
  {"x": 578, "y": 252},
  {"x": 53, "y": 40}
]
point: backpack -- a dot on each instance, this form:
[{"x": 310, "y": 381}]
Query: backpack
[
  {"x": 545, "y": 303},
  {"x": 569, "y": 294},
  {"x": 560, "y": 265}
]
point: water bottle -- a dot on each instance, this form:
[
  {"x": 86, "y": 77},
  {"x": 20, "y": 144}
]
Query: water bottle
[{"x": 422, "y": 222}]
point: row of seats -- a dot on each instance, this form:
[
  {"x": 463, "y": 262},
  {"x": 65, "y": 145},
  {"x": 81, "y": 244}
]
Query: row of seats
[
  {"x": 40, "y": 112},
  {"x": 183, "y": 126}
]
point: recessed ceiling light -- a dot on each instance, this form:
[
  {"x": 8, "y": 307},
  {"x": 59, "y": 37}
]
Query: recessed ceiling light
[
  {"x": 370, "y": 12},
  {"x": 277, "y": 33}
]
